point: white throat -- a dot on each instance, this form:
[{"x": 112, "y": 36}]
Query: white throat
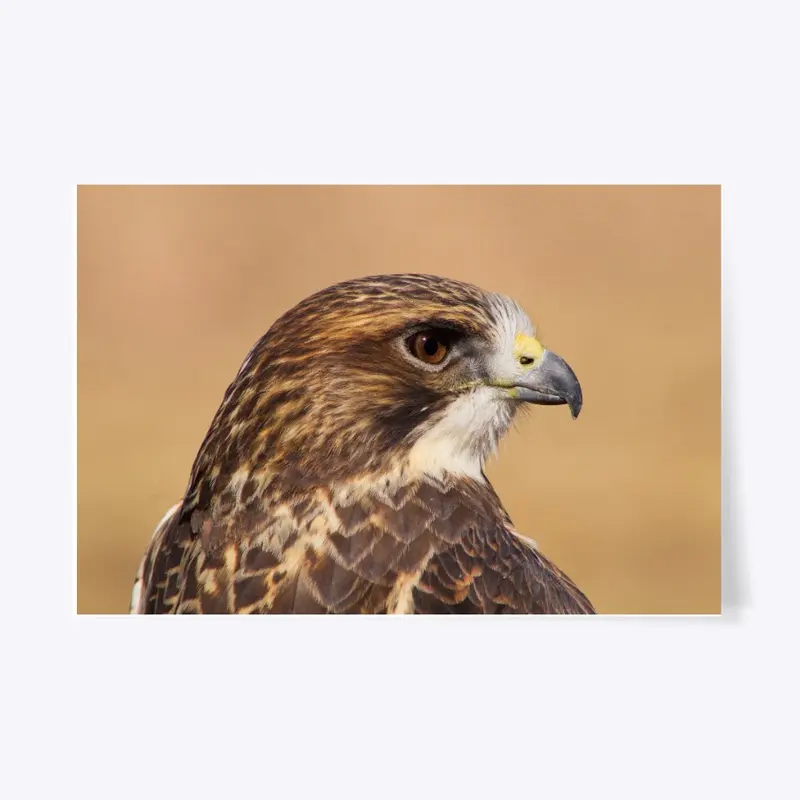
[{"x": 464, "y": 437}]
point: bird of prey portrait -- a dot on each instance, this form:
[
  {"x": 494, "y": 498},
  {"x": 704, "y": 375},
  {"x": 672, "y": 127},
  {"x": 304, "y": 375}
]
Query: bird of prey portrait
[{"x": 344, "y": 469}]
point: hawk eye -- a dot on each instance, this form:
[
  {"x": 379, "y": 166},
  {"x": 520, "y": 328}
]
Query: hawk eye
[{"x": 429, "y": 346}]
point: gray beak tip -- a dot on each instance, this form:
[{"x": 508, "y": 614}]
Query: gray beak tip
[
  {"x": 552, "y": 383},
  {"x": 575, "y": 403}
]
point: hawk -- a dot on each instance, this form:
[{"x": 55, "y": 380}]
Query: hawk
[{"x": 344, "y": 469}]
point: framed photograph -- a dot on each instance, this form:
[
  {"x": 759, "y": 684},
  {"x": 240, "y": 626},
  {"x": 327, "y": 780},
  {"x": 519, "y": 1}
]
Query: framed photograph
[{"x": 399, "y": 399}]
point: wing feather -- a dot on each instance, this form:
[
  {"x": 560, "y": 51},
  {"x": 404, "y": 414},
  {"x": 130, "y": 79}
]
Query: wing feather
[{"x": 496, "y": 572}]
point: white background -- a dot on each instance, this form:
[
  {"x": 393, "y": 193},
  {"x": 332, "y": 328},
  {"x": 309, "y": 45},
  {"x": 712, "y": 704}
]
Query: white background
[{"x": 572, "y": 92}]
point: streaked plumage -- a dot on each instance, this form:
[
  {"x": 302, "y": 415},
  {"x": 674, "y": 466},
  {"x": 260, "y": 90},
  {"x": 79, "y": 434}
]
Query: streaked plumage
[{"x": 343, "y": 471}]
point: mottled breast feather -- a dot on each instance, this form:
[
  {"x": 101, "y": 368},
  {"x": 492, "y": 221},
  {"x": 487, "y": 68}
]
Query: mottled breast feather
[{"x": 425, "y": 547}]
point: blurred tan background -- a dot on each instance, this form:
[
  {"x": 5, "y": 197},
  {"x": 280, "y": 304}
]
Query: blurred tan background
[{"x": 175, "y": 284}]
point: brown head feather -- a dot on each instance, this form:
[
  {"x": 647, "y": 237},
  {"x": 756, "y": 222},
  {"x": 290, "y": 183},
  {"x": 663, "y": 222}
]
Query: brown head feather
[{"x": 326, "y": 393}]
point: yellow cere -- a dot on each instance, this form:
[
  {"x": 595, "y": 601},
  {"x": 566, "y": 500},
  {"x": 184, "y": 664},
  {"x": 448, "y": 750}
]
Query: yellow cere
[{"x": 527, "y": 346}]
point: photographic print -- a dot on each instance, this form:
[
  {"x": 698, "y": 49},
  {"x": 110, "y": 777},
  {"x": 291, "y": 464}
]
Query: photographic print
[{"x": 399, "y": 399}]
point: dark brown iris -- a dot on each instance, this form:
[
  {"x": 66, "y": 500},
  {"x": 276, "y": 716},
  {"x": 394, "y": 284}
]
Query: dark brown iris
[{"x": 429, "y": 346}]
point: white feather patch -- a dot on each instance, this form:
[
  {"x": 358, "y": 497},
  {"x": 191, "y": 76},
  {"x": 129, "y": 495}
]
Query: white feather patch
[
  {"x": 138, "y": 591},
  {"x": 464, "y": 437}
]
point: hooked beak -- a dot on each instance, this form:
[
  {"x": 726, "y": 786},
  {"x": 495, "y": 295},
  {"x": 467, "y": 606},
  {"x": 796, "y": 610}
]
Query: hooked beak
[{"x": 550, "y": 382}]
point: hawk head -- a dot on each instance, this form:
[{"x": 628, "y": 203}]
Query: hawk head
[{"x": 416, "y": 371}]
